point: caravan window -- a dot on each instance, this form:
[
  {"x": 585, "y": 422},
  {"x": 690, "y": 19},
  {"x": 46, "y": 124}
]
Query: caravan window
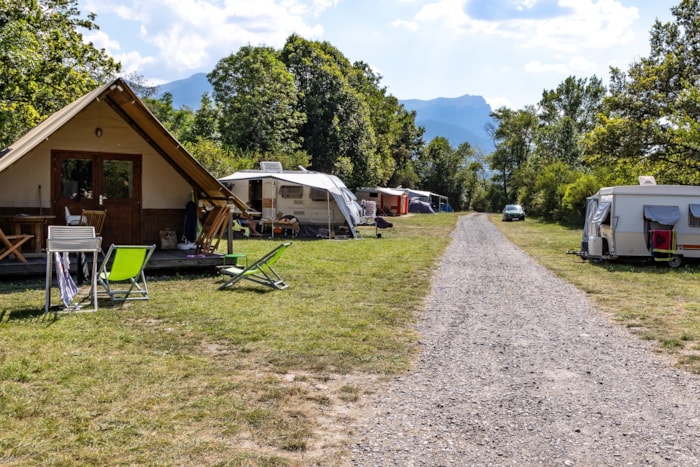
[
  {"x": 318, "y": 195},
  {"x": 291, "y": 191},
  {"x": 662, "y": 215},
  {"x": 694, "y": 215}
]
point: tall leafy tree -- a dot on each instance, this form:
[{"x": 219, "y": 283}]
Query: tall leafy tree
[
  {"x": 643, "y": 127},
  {"x": 206, "y": 118},
  {"x": 338, "y": 133},
  {"x": 258, "y": 100},
  {"x": 446, "y": 170},
  {"x": 178, "y": 121},
  {"x": 44, "y": 62},
  {"x": 566, "y": 113},
  {"x": 514, "y": 140},
  {"x": 398, "y": 140}
]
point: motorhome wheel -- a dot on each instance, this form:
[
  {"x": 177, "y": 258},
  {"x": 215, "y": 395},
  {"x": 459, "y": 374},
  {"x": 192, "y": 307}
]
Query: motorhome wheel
[{"x": 676, "y": 261}]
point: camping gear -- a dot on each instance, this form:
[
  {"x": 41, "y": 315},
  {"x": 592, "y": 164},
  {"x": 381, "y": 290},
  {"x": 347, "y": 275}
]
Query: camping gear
[
  {"x": 66, "y": 285},
  {"x": 11, "y": 245},
  {"x": 212, "y": 230},
  {"x": 260, "y": 272},
  {"x": 125, "y": 263},
  {"x": 72, "y": 239},
  {"x": 418, "y": 206},
  {"x": 190, "y": 230},
  {"x": 93, "y": 218}
]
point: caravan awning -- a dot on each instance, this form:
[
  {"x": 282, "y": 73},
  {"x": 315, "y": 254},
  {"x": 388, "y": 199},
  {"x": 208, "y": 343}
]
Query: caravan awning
[
  {"x": 694, "y": 210},
  {"x": 664, "y": 215},
  {"x": 601, "y": 213},
  {"x": 391, "y": 191}
]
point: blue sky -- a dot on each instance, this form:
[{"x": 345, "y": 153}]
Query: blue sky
[{"x": 507, "y": 51}]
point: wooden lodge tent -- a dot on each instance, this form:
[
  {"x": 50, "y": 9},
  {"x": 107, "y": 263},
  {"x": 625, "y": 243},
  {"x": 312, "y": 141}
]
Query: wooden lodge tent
[{"x": 107, "y": 151}]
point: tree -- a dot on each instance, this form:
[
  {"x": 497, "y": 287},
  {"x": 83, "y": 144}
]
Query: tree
[
  {"x": 447, "y": 171},
  {"x": 258, "y": 102},
  {"x": 44, "y": 62},
  {"x": 178, "y": 121},
  {"x": 338, "y": 133},
  {"x": 514, "y": 140},
  {"x": 645, "y": 124},
  {"x": 206, "y": 121},
  {"x": 398, "y": 140},
  {"x": 567, "y": 113}
]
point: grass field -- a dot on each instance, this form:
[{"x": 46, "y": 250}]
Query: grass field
[
  {"x": 254, "y": 376},
  {"x": 244, "y": 376}
]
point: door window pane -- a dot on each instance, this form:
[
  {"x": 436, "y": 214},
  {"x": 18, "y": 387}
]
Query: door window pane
[
  {"x": 119, "y": 179},
  {"x": 76, "y": 181}
]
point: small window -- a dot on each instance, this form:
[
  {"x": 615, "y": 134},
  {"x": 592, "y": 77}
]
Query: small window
[
  {"x": 694, "y": 215},
  {"x": 318, "y": 195},
  {"x": 291, "y": 191}
]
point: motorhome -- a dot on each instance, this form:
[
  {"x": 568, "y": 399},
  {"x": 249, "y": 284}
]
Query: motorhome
[
  {"x": 321, "y": 203},
  {"x": 659, "y": 222}
]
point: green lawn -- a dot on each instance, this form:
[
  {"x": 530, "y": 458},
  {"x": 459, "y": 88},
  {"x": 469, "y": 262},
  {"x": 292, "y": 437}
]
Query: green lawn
[
  {"x": 255, "y": 376},
  {"x": 200, "y": 376}
]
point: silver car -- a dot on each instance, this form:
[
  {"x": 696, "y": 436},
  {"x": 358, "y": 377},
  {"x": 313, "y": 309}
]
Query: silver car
[{"x": 513, "y": 212}]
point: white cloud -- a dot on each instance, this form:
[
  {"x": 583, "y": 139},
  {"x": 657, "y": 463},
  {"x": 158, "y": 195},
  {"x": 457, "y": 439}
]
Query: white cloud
[
  {"x": 498, "y": 102},
  {"x": 573, "y": 66},
  {"x": 101, "y": 40},
  {"x": 451, "y": 13},
  {"x": 590, "y": 24},
  {"x": 410, "y": 25},
  {"x": 133, "y": 62},
  {"x": 191, "y": 34}
]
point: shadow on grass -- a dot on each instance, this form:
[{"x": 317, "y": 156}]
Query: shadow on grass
[
  {"x": 645, "y": 265},
  {"x": 32, "y": 315}
]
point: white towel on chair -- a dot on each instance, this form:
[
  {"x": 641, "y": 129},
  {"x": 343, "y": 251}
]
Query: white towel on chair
[{"x": 66, "y": 284}]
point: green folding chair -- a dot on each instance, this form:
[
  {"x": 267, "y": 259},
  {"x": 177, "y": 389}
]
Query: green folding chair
[
  {"x": 125, "y": 263},
  {"x": 260, "y": 272}
]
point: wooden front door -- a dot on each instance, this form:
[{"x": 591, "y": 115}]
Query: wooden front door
[{"x": 101, "y": 181}]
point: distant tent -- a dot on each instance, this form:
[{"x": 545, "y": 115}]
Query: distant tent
[
  {"x": 435, "y": 200},
  {"x": 419, "y": 206}
]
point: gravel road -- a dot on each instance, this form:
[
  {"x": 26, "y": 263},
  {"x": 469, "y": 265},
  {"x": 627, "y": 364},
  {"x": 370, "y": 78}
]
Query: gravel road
[{"x": 517, "y": 368}]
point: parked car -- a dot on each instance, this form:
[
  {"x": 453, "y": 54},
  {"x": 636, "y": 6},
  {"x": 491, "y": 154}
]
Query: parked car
[{"x": 513, "y": 212}]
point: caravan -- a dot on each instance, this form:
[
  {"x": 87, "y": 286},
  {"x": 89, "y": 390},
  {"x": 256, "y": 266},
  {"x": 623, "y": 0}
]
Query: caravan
[
  {"x": 320, "y": 202},
  {"x": 659, "y": 222}
]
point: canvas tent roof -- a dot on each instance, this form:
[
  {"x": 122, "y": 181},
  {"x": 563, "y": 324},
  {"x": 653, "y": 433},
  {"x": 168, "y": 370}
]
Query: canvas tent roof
[
  {"x": 122, "y": 99},
  {"x": 321, "y": 181},
  {"x": 417, "y": 193},
  {"x": 386, "y": 191}
]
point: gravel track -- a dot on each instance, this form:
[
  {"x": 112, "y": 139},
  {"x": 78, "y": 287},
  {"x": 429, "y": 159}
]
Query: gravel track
[{"x": 517, "y": 368}]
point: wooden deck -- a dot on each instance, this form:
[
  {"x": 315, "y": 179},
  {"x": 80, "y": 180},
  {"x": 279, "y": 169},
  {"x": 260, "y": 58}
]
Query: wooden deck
[{"x": 162, "y": 262}]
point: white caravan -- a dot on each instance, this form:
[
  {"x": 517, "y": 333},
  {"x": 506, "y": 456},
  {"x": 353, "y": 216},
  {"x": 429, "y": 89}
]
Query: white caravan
[
  {"x": 660, "y": 222},
  {"x": 317, "y": 200}
]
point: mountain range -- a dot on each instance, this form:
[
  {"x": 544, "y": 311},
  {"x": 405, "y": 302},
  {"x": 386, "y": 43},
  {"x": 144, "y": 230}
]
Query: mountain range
[{"x": 459, "y": 119}]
